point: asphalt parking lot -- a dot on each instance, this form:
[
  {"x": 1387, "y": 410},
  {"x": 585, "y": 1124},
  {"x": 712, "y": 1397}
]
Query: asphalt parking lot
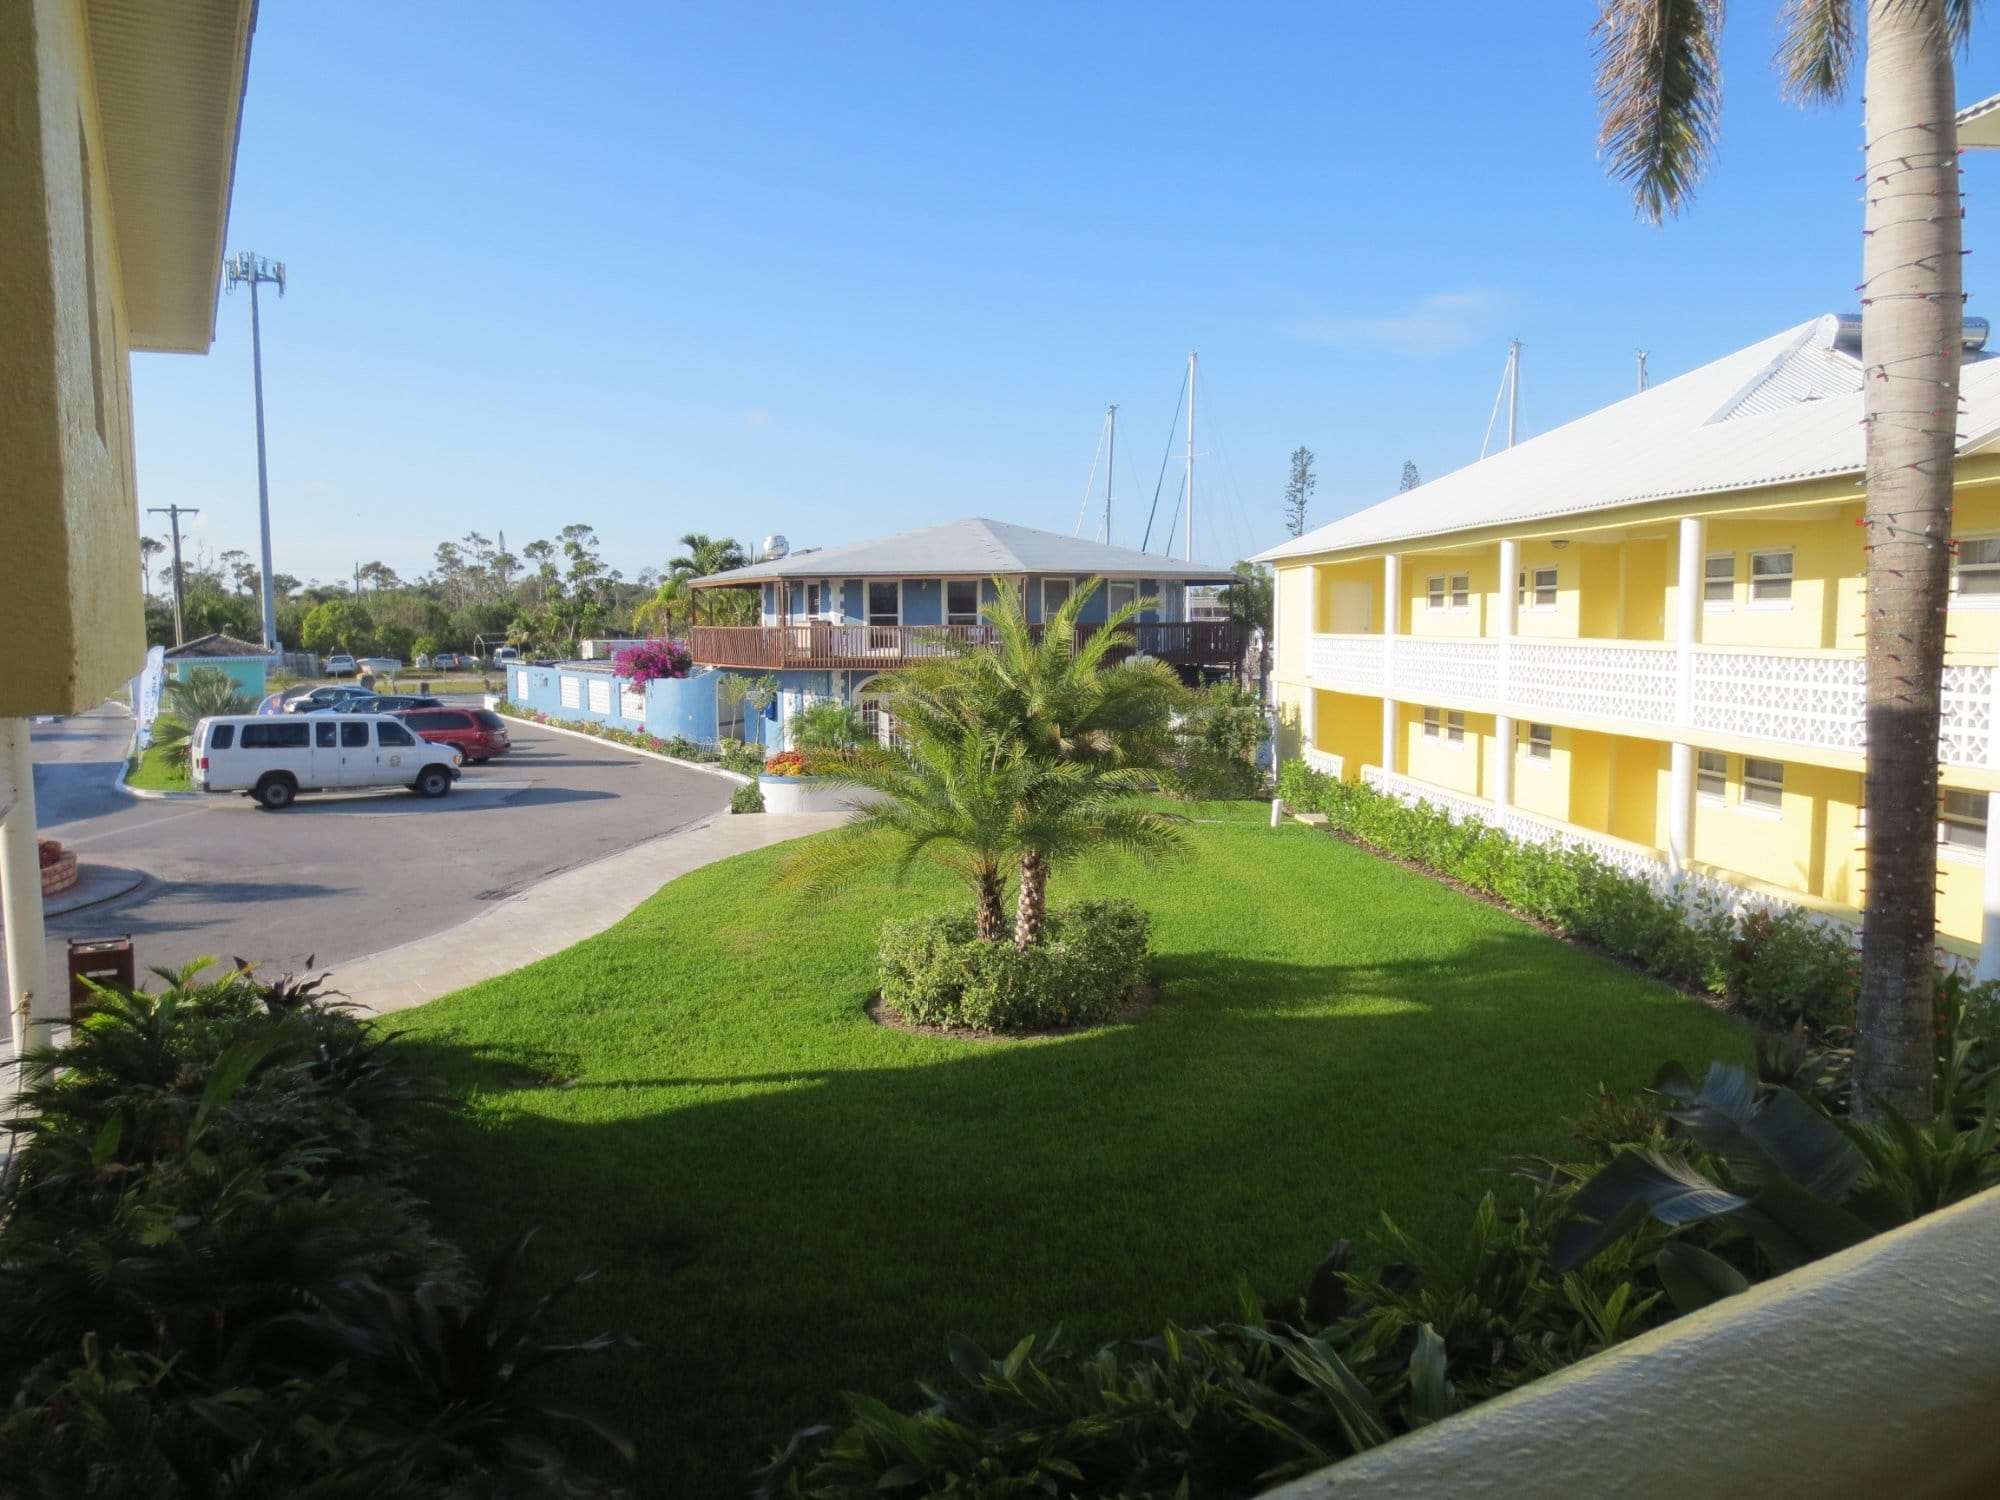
[{"x": 335, "y": 877}]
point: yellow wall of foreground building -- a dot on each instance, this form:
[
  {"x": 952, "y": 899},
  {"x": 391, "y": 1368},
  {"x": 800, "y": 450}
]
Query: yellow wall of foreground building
[
  {"x": 70, "y": 566},
  {"x": 1350, "y": 727}
]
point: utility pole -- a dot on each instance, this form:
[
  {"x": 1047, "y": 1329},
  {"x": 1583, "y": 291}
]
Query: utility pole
[
  {"x": 173, "y": 513},
  {"x": 241, "y": 267},
  {"x": 1110, "y": 457},
  {"x": 1189, "y": 552}
]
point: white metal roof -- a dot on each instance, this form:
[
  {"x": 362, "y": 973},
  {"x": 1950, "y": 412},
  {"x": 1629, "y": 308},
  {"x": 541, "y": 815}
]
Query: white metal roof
[
  {"x": 973, "y": 547},
  {"x": 1788, "y": 408}
]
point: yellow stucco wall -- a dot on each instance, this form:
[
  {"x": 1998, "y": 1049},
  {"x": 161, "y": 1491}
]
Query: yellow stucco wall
[
  {"x": 1350, "y": 727},
  {"x": 69, "y": 569}
]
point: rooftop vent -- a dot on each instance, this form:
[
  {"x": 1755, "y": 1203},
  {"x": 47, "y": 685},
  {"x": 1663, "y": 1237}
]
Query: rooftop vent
[
  {"x": 775, "y": 547},
  {"x": 1847, "y": 334}
]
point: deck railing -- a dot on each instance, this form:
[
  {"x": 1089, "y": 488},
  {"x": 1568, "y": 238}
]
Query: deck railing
[{"x": 822, "y": 645}]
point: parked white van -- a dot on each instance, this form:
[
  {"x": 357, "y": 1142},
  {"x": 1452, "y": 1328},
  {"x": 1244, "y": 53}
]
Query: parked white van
[{"x": 274, "y": 757}]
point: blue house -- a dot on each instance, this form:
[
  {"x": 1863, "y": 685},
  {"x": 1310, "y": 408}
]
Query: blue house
[{"x": 832, "y": 618}]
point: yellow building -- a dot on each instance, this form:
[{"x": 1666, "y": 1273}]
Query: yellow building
[
  {"x": 1642, "y": 632},
  {"x": 118, "y": 122}
]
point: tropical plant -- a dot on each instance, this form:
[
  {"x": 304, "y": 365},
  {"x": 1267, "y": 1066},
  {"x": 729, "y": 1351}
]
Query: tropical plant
[
  {"x": 1660, "y": 85},
  {"x": 828, "y": 724},
  {"x": 198, "y": 693}
]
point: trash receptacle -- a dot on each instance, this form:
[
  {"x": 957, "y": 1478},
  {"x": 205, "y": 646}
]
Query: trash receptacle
[{"x": 102, "y": 960}]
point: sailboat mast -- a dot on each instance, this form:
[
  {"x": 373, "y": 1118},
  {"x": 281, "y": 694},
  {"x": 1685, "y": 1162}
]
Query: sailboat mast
[
  {"x": 1110, "y": 457},
  {"x": 1189, "y": 552},
  {"x": 1513, "y": 388}
]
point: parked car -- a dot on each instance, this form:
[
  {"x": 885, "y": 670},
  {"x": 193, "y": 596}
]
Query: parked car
[
  {"x": 379, "y": 703},
  {"x": 380, "y": 664},
  {"x": 504, "y": 655},
  {"x": 451, "y": 661},
  {"x": 324, "y": 697},
  {"x": 340, "y": 664},
  {"x": 274, "y": 758},
  {"x": 478, "y": 734}
]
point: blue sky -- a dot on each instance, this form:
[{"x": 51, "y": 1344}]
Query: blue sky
[{"x": 837, "y": 270}]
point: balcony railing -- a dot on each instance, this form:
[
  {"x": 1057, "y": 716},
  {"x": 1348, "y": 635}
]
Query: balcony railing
[
  {"x": 823, "y": 646},
  {"x": 1812, "y": 698}
]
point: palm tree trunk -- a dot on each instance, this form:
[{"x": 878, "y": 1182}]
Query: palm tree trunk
[
  {"x": 990, "y": 912},
  {"x": 1031, "y": 903},
  {"x": 1911, "y": 318}
]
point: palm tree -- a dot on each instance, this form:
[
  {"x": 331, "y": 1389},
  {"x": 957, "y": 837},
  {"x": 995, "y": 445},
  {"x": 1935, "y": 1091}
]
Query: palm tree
[
  {"x": 667, "y": 612},
  {"x": 201, "y": 693},
  {"x": 1052, "y": 692},
  {"x": 1659, "y": 86},
  {"x": 705, "y": 555}
]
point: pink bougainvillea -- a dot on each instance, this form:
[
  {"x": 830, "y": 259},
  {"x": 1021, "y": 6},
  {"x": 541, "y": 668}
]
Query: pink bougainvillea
[{"x": 652, "y": 662}]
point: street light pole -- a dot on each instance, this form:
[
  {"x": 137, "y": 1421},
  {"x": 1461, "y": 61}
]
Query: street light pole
[{"x": 242, "y": 267}]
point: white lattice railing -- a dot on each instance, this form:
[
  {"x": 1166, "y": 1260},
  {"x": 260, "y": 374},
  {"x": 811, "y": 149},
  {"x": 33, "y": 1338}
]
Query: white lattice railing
[
  {"x": 1324, "y": 761},
  {"x": 1815, "y": 699}
]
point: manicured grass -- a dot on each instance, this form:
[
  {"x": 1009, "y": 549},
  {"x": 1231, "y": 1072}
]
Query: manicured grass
[
  {"x": 161, "y": 768},
  {"x": 792, "y": 1202}
]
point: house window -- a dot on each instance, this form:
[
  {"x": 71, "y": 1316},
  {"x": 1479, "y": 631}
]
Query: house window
[
  {"x": 1434, "y": 589},
  {"x": 1454, "y": 728},
  {"x": 1461, "y": 590},
  {"x": 1718, "y": 581},
  {"x": 812, "y": 599},
  {"x": 1431, "y": 723},
  {"x": 1541, "y": 742},
  {"x": 1711, "y": 775},
  {"x": 1962, "y": 821},
  {"x": 961, "y": 601},
  {"x": 1763, "y": 783},
  {"x": 1977, "y": 572},
  {"x": 1771, "y": 577},
  {"x": 885, "y": 602},
  {"x": 1538, "y": 588},
  {"x": 1055, "y": 594},
  {"x": 1119, "y": 595}
]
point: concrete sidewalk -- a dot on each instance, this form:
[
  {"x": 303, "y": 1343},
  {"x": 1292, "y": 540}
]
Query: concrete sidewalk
[{"x": 558, "y": 912}]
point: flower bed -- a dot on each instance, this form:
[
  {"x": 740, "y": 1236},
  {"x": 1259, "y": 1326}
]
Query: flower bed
[{"x": 731, "y": 755}]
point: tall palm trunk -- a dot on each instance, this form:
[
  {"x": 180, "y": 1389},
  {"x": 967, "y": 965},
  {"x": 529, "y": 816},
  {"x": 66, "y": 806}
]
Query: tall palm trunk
[
  {"x": 1031, "y": 903},
  {"x": 1911, "y": 319},
  {"x": 989, "y": 908}
]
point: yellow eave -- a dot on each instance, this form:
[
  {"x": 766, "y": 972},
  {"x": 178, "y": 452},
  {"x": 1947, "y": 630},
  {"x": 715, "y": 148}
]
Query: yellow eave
[{"x": 169, "y": 78}]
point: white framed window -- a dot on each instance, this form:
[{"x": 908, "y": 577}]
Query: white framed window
[
  {"x": 1711, "y": 775},
  {"x": 570, "y": 690},
  {"x": 961, "y": 601},
  {"x": 1538, "y": 588},
  {"x": 1541, "y": 742},
  {"x": 1718, "y": 580},
  {"x": 1975, "y": 575},
  {"x": 1434, "y": 591},
  {"x": 1119, "y": 593},
  {"x": 1433, "y": 721},
  {"x": 1461, "y": 591},
  {"x": 1962, "y": 821},
  {"x": 885, "y": 601},
  {"x": 1055, "y": 594},
  {"x": 1454, "y": 728},
  {"x": 1771, "y": 577},
  {"x": 1763, "y": 784}
]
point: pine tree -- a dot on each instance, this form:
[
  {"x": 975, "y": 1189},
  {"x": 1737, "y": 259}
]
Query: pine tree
[
  {"x": 1411, "y": 479},
  {"x": 1298, "y": 491}
]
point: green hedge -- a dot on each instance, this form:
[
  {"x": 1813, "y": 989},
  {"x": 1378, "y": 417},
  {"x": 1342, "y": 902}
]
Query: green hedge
[
  {"x": 1779, "y": 962},
  {"x": 1092, "y": 956}
]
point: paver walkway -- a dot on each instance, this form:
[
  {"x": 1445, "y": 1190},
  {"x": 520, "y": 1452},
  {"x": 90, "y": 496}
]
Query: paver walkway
[{"x": 557, "y": 913}]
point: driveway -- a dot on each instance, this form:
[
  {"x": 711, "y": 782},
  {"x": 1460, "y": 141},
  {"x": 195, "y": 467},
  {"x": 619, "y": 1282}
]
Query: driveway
[{"x": 336, "y": 877}]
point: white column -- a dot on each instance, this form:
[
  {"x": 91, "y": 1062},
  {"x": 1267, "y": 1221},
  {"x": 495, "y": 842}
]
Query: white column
[
  {"x": 1687, "y": 636},
  {"x": 1509, "y": 622},
  {"x": 1392, "y": 619},
  {"x": 1309, "y": 721},
  {"x": 30, "y": 1005},
  {"x": 1989, "y": 929}
]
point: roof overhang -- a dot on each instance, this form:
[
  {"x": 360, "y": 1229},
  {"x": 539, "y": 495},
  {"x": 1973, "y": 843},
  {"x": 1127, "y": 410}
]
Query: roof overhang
[
  {"x": 1979, "y": 124},
  {"x": 169, "y": 78}
]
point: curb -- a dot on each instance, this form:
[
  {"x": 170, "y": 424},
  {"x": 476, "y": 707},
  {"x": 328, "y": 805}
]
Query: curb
[
  {"x": 144, "y": 793},
  {"x": 598, "y": 739}
]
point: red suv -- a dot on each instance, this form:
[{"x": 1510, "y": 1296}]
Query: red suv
[{"x": 478, "y": 734}]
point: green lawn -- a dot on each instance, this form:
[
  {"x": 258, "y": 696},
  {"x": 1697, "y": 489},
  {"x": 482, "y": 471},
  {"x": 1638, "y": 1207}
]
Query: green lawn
[
  {"x": 791, "y": 1202},
  {"x": 161, "y": 768}
]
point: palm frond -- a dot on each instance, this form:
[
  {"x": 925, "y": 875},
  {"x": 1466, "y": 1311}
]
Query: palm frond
[
  {"x": 1816, "y": 49},
  {"x": 1659, "y": 93}
]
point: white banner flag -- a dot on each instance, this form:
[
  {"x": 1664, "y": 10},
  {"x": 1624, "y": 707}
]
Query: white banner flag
[{"x": 146, "y": 688}]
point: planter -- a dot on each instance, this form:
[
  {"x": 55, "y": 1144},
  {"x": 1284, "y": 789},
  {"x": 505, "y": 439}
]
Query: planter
[
  {"x": 61, "y": 875},
  {"x": 790, "y": 794}
]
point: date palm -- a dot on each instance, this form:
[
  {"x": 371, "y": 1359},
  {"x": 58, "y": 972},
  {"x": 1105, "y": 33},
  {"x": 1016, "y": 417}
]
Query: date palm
[{"x": 1659, "y": 86}]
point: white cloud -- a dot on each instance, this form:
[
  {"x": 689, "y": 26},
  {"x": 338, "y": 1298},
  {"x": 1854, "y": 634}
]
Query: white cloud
[{"x": 1441, "y": 323}]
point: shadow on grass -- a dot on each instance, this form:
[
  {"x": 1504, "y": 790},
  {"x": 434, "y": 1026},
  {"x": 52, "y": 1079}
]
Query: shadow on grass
[{"x": 776, "y": 1237}]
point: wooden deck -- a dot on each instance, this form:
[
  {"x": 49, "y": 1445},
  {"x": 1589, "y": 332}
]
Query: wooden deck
[{"x": 820, "y": 646}]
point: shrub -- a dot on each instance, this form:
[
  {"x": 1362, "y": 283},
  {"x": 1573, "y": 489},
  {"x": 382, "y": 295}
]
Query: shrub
[
  {"x": 1214, "y": 749},
  {"x": 1783, "y": 965},
  {"x": 1092, "y": 958},
  {"x": 747, "y": 799},
  {"x": 828, "y": 724}
]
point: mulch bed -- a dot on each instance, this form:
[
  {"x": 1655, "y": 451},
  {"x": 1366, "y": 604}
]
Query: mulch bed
[{"x": 882, "y": 1013}]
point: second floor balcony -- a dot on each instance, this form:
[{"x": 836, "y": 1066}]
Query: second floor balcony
[{"x": 821, "y": 645}]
